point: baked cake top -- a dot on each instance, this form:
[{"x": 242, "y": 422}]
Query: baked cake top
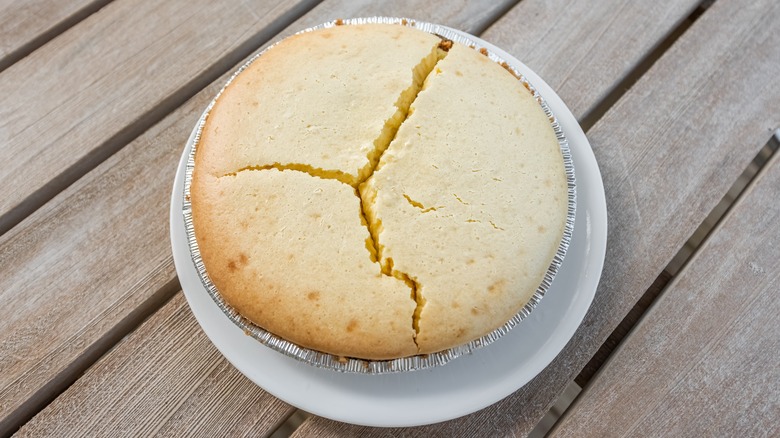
[{"x": 360, "y": 191}]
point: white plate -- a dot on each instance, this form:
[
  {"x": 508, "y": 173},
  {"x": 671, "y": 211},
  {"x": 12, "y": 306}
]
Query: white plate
[{"x": 461, "y": 387}]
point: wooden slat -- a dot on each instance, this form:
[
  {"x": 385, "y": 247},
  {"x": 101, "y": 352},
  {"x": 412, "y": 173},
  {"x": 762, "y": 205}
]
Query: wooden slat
[
  {"x": 173, "y": 383},
  {"x": 77, "y": 99},
  {"x": 99, "y": 250},
  {"x": 77, "y": 267},
  {"x": 469, "y": 16},
  {"x": 582, "y": 50},
  {"x": 26, "y": 25},
  {"x": 622, "y": 330},
  {"x": 668, "y": 152},
  {"x": 677, "y": 262},
  {"x": 704, "y": 360}
]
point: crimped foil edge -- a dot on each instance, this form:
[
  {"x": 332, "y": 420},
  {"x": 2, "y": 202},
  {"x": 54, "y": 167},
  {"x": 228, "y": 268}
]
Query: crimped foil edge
[{"x": 419, "y": 362}]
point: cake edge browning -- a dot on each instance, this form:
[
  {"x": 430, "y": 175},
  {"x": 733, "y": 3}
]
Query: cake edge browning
[
  {"x": 386, "y": 265},
  {"x": 419, "y": 73}
]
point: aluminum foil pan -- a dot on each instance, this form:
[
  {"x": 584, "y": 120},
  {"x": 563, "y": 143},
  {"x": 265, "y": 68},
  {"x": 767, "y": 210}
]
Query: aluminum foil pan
[{"x": 420, "y": 362}]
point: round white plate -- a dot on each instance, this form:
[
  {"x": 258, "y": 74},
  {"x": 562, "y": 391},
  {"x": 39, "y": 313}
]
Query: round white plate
[{"x": 463, "y": 386}]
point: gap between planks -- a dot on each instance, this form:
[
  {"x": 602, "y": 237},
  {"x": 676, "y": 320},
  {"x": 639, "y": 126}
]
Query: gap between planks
[
  {"x": 679, "y": 261},
  {"x": 290, "y": 424},
  {"x": 103, "y": 345},
  {"x": 569, "y": 396},
  {"x": 496, "y": 16},
  {"x": 63, "y": 380},
  {"x": 597, "y": 112},
  {"x": 742, "y": 188},
  {"x": 49, "y": 34},
  {"x": 587, "y": 121},
  {"x": 130, "y": 132}
]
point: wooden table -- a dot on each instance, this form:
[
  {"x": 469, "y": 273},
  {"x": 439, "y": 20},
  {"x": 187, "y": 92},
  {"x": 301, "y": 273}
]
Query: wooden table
[{"x": 678, "y": 99}]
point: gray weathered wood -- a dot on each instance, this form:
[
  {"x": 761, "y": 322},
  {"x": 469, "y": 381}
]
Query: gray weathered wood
[
  {"x": 584, "y": 50},
  {"x": 74, "y": 270},
  {"x": 668, "y": 152},
  {"x": 83, "y": 95},
  {"x": 25, "y": 25},
  {"x": 87, "y": 259},
  {"x": 469, "y": 16},
  {"x": 173, "y": 383},
  {"x": 704, "y": 360},
  {"x": 77, "y": 267}
]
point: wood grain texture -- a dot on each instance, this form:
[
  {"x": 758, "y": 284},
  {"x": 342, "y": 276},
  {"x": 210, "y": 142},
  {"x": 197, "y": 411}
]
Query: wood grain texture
[
  {"x": 101, "y": 247},
  {"x": 704, "y": 360},
  {"x": 83, "y": 95},
  {"x": 631, "y": 319},
  {"x": 173, "y": 383},
  {"x": 668, "y": 152},
  {"x": 469, "y": 16},
  {"x": 25, "y": 25},
  {"x": 84, "y": 261},
  {"x": 583, "y": 50},
  {"x": 70, "y": 272}
]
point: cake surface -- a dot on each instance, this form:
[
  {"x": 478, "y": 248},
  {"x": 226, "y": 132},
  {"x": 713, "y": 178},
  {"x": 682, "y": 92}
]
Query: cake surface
[{"x": 360, "y": 191}]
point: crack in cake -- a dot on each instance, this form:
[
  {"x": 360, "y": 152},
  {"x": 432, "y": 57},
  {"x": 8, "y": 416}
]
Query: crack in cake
[{"x": 373, "y": 191}]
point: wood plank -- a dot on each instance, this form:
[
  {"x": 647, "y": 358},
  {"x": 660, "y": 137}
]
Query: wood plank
[
  {"x": 173, "y": 383},
  {"x": 469, "y": 16},
  {"x": 100, "y": 249},
  {"x": 76, "y": 100},
  {"x": 71, "y": 272},
  {"x": 703, "y": 361},
  {"x": 25, "y": 26},
  {"x": 679, "y": 260},
  {"x": 668, "y": 152},
  {"x": 631, "y": 319},
  {"x": 584, "y": 50}
]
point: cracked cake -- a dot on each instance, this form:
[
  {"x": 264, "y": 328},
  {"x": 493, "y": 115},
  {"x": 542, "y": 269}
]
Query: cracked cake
[{"x": 373, "y": 191}]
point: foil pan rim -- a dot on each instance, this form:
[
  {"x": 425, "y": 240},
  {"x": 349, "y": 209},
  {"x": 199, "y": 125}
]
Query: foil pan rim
[{"x": 412, "y": 363}]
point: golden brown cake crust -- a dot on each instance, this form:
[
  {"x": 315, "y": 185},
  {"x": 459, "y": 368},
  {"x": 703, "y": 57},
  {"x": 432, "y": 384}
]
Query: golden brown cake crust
[
  {"x": 287, "y": 251},
  {"x": 472, "y": 197},
  {"x": 373, "y": 203}
]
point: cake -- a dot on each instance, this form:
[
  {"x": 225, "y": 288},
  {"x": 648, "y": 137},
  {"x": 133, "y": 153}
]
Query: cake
[{"x": 374, "y": 191}]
